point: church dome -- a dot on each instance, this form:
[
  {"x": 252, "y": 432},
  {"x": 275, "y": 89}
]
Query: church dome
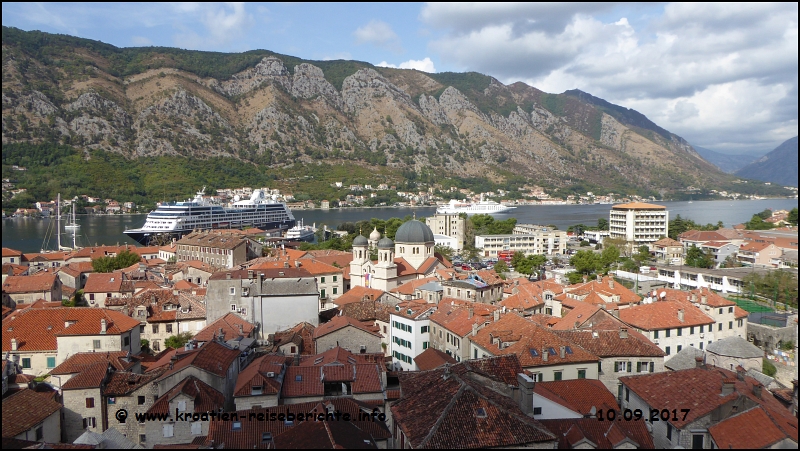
[
  {"x": 414, "y": 232},
  {"x": 385, "y": 243},
  {"x": 375, "y": 235},
  {"x": 360, "y": 241}
]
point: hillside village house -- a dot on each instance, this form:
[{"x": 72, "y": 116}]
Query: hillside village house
[
  {"x": 454, "y": 322},
  {"x": 667, "y": 249},
  {"x": 40, "y": 339},
  {"x": 217, "y": 249},
  {"x": 759, "y": 254},
  {"x": 347, "y": 333},
  {"x": 189, "y": 395},
  {"x": 37, "y": 417},
  {"x": 102, "y": 287}
]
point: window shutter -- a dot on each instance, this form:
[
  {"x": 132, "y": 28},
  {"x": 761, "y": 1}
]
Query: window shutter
[
  {"x": 652, "y": 367},
  {"x": 616, "y": 367},
  {"x": 630, "y": 366}
]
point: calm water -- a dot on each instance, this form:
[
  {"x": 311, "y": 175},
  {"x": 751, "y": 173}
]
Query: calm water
[{"x": 28, "y": 235}]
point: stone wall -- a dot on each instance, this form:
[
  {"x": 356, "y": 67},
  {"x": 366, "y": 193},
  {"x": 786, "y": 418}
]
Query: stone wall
[{"x": 75, "y": 411}]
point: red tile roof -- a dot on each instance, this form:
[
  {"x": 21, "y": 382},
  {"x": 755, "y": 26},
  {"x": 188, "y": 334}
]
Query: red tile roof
[
  {"x": 358, "y": 294},
  {"x": 325, "y": 435},
  {"x": 578, "y": 395},
  {"x": 458, "y": 316},
  {"x": 257, "y": 374},
  {"x": 302, "y": 381},
  {"x": 339, "y": 355},
  {"x": 528, "y": 296},
  {"x": 367, "y": 311},
  {"x": 41, "y": 283},
  {"x": 579, "y": 314},
  {"x": 603, "y": 434},
  {"x": 230, "y": 328},
  {"x": 453, "y": 407},
  {"x": 92, "y": 376},
  {"x": 124, "y": 383},
  {"x": 752, "y": 429},
  {"x": 412, "y": 309},
  {"x": 405, "y": 268},
  {"x": 27, "y": 409},
  {"x": 701, "y": 235},
  {"x": 527, "y": 340},
  {"x": 206, "y": 398},
  {"x": 212, "y": 357},
  {"x": 609, "y": 343},
  {"x": 341, "y": 322},
  {"x": 36, "y": 329},
  {"x": 432, "y": 358},
  {"x": 107, "y": 283},
  {"x": 249, "y": 436},
  {"x": 607, "y": 288},
  {"x": 302, "y": 335},
  {"x": 699, "y": 389},
  {"x": 664, "y": 315},
  {"x": 82, "y": 360},
  {"x": 409, "y": 287},
  {"x": 8, "y": 252}
]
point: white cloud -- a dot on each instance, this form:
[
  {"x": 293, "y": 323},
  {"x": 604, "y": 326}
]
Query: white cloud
[
  {"x": 223, "y": 24},
  {"x": 424, "y": 65},
  {"x": 379, "y": 34},
  {"x": 712, "y": 73}
]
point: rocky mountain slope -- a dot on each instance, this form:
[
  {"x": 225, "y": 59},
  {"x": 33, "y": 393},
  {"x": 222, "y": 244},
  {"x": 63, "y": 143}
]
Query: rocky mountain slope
[
  {"x": 278, "y": 110},
  {"x": 727, "y": 162},
  {"x": 778, "y": 166}
]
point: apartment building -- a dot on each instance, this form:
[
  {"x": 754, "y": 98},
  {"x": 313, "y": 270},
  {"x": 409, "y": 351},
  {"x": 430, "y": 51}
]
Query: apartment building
[
  {"x": 527, "y": 238},
  {"x": 452, "y": 226},
  {"x": 638, "y": 222}
]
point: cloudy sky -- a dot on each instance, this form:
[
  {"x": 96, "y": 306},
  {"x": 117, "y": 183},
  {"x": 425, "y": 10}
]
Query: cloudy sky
[{"x": 723, "y": 76}]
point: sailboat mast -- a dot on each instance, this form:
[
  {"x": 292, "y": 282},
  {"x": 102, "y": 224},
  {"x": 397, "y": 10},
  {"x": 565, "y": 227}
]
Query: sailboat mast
[{"x": 58, "y": 220}]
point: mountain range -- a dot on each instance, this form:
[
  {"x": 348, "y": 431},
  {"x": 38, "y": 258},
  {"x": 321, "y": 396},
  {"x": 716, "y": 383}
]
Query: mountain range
[
  {"x": 778, "y": 166},
  {"x": 276, "y": 112},
  {"x": 729, "y": 163}
]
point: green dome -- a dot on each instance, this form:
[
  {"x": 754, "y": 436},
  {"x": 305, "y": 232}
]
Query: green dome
[
  {"x": 360, "y": 240},
  {"x": 385, "y": 243},
  {"x": 414, "y": 232}
]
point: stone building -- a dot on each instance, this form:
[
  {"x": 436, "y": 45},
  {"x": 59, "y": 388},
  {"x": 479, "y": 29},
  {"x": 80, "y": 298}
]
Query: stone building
[
  {"x": 347, "y": 333},
  {"x": 259, "y": 385},
  {"x": 136, "y": 394},
  {"x": 84, "y": 409},
  {"x": 29, "y": 289},
  {"x": 36, "y": 417}
]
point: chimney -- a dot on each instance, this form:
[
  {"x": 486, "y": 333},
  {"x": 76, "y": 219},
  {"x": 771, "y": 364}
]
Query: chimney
[
  {"x": 680, "y": 315},
  {"x": 102, "y": 325},
  {"x": 615, "y": 313},
  {"x": 250, "y": 274},
  {"x": 698, "y": 362},
  {"x": 623, "y": 332},
  {"x": 228, "y": 276},
  {"x": 611, "y": 283},
  {"x": 497, "y": 315},
  {"x": 563, "y": 352},
  {"x": 600, "y": 278},
  {"x": 471, "y": 312},
  {"x": 694, "y": 298},
  {"x": 13, "y": 344},
  {"x": 757, "y": 390},
  {"x": 474, "y": 329},
  {"x": 297, "y": 358},
  {"x": 740, "y": 373},
  {"x": 241, "y": 330},
  {"x": 577, "y": 324},
  {"x": 286, "y": 264},
  {"x": 297, "y": 263},
  {"x": 728, "y": 386},
  {"x": 544, "y": 354},
  {"x": 704, "y": 299},
  {"x": 526, "y": 385}
]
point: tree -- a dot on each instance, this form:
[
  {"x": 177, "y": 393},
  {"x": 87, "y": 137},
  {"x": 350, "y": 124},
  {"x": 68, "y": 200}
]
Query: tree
[
  {"x": 792, "y": 216},
  {"x": 145, "y": 345},
  {"x": 780, "y": 286},
  {"x": 758, "y": 223},
  {"x": 178, "y": 341},
  {"x": 609, "y": 256},
  {"x": 695, "y": 257},
  {"x": 104, "y": 264},
  {"x": 586, "y": 262},
  {"x": 768, "y": 368},
  {"x": 642, "y": 255},
  {"x": 602, "y": 224},
  {"x": 585, "y": 243},
  {"x": 501, "y": 268},
  {"x": 630, "y": 265},
  {"x": 445, "y": 251},
  {"x": 517, "y": 259},
  {"x": 126, "y": 258},
  {"x": 470, "y": 252}
]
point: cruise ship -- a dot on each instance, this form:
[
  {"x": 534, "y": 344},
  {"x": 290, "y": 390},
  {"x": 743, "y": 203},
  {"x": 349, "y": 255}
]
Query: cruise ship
[
  {"x": 301, "y": 232},
  {"x": 484, "y": 207},
  {"x": 175, "y": 219}
]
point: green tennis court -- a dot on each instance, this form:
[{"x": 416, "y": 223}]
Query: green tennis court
[{"x": 750, "y": 306}]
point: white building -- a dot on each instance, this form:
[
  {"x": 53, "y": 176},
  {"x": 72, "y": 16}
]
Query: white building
[
  {"x": 452, "y": 226},
  {"x": 527, "y": 238},
  {"x": 638, "y": 222},
  {"x": 410, "y": 331}
]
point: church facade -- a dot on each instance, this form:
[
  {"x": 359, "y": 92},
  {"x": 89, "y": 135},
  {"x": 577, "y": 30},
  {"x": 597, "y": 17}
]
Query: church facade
[{"x": 409, "y": 257}]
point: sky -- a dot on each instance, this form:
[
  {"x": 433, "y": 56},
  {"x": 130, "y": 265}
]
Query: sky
[{"x": 721, "y": 75}]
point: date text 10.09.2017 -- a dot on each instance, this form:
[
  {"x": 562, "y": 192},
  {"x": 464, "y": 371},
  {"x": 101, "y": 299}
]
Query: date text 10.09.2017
[{"x": 637, "y": 414}]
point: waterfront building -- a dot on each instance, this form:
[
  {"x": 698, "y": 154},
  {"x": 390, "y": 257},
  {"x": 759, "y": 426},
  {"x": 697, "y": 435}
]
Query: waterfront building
[
  {"x": 448, "y": 230},
  {"x": 638, "y": 223}
]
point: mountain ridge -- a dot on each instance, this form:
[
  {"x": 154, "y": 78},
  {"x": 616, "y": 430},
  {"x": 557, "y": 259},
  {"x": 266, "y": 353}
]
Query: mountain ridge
[
  {"x": 778, "y": 166},
  {"x": 276, "y": 111}
]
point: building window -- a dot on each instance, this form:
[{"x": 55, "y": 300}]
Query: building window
[
  {"x": 233, "y": 291},
  {"x": 655, "y": 334},
  {"x": 730, "y": 325},
  {"x": 169, "y": 328},
  {"x": 667, "y": 351},
  {"x": 96, "y": 344},
  {"x": 556, "y": 375},
  {"x": 537, "y": 410},
  {"x": 679, "y": 348},
  {"x": 581, "y": 374},
  {"x": 142, "y": 438},
  {"x": 322, "y": 279},
  {"x": 666, "y": 333},
  {"x": 89, "y": 403},
  {"x": 156, "y": 345},
  {"x": 39, "y": 433},
  {"x": 335, "y": 290},
  {"x": 730, "y": 309},
  {"x": 720, "y": 326},
  {"x": 197, "y": 428},
  {"x": 168, "y": 430},
  {"x": 680, "y": 331},
  {"x": 703, "y": 327},
  {"x": 669, "y": 432},
  {"x": 701, "y": 345},
  {"x": 155, "y": 328},
  {"x": 140, "y": 400},
  {"x": 51, "y": 362},
  {"x": 89, "y": 422},
  {"x": 424, "y": 329}
]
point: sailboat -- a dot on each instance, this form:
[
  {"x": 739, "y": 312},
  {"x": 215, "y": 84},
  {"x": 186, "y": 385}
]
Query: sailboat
[{"x": 74, "y": 224}]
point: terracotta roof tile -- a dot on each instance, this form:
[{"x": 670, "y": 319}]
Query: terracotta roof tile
[
  {"x": 124, "y": 383},
  {"x": 8, "y": 252},
  {"x": 213, "y": 357},
  {"x": 609, "y": 343},
  {"x": 606, "y": 288},
  {"x": 29, "y": 284},
  {"x": 413, "y": 309},
  {"x": 302, "y": 381},
  {"x": 339, "y": 355},
  {"x": 92, "y": 376},
  {"x": 527, "y": 340},
  {"x": 453, "y": 408},
  {"x": 82, "y": 360},
  {"x": 753, "y": 429},
  {"x": 106, "y": 283},
  {"x": 206, "y": 398},
  {"x": 257, "y": 374},
  {"x": 409, "y": 287},
  {"x": 340, "y": 322},
  {"x": 432, "y": 358},
  {"x": 664, "y": 315},
  {"x": 27, "y": 409},
  {"x": 458, "y": 316},
  {"x": 579, "y": 314},
  {"x": 36, "y": 329},
  {"x": 230, "y": 328},
  {"x": 358, "y": 294},
  {"x": 366, "y": 311},
  {"x": 578, "y": 395},
  {"x": 603, "y": 434}
]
